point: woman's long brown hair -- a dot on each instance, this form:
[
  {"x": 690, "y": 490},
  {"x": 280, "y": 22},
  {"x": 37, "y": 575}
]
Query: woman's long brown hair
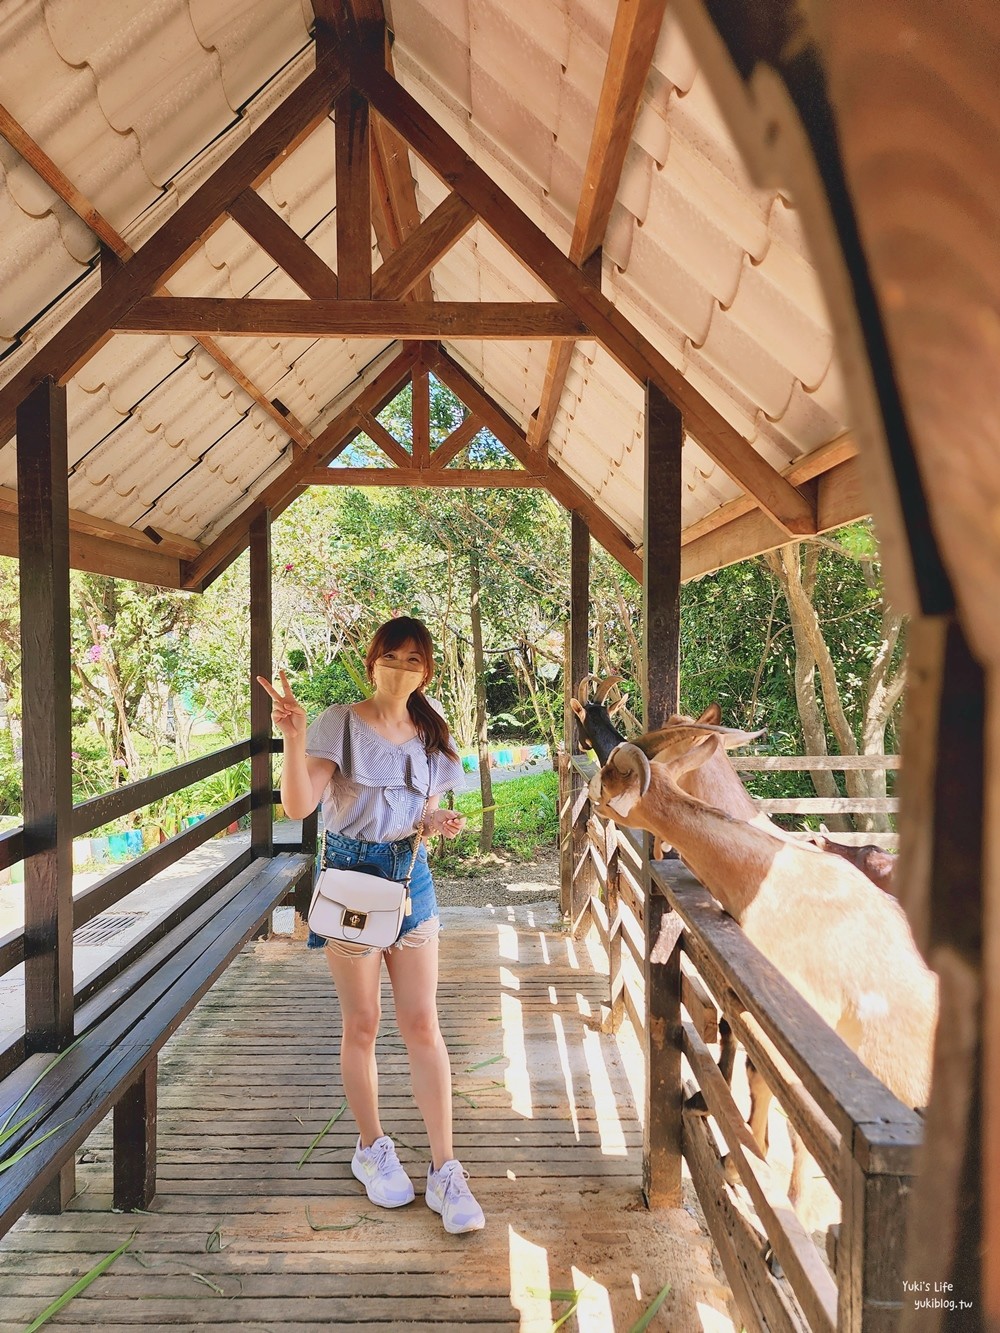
[{"x": 430, "y": 725}]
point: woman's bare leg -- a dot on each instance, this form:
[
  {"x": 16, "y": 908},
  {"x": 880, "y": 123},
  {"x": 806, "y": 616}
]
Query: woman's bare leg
[
  {"x": 414, "y": 976},
  {"x": 358, "y": 982}
]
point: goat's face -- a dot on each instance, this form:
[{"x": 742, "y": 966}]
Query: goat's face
[{"x": 621, "y": 784}]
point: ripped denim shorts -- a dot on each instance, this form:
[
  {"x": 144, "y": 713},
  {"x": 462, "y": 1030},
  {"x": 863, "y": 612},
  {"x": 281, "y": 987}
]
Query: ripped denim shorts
[{"x": 421, "y": 923}]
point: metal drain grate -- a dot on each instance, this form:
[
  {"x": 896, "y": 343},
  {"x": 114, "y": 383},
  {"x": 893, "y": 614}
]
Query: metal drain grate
[{"x": 103, "y": 929}]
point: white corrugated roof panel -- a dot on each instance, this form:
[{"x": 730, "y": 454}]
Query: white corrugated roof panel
[{"x": 137, "y": 104}]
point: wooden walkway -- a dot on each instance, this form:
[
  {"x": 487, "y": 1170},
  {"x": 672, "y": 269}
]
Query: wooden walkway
[{"x": 240, "y": 1236}]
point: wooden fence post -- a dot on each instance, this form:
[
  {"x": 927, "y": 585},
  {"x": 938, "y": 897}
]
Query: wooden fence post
[
  {"x": 577, "y": 862},
  {"x": 43, "y": 554},
  {"x": 261, "y": 781},
  {"x": 661, "y": 562}
]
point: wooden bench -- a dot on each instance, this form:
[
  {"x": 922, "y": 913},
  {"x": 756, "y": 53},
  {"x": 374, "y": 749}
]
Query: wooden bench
[{"x": 119, "y": 1032}]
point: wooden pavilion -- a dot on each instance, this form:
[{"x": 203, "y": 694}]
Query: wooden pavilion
[{"x": 237, "y": 232}]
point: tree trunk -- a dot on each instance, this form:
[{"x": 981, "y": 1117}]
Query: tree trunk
[
  {"x": 482, "y": 725},
  {"x": 784, "y": 565},
  {"x": 796, "y": 574}
]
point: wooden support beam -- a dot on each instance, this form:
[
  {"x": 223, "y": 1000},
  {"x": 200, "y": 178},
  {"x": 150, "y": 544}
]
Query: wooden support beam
[
  {"x": 43, "y": 576},
  {"x": 388, "y": 443},
  {"x": 453, "y": 478},
  {"x": 261, "y": 781},
  {"x": 633, "y": 41},
  {"x": 43, "y": 526},
  {"x": 421, "y": 417},
  {"x": 113, "y": 246},
  {"x": 284, "y": 488},
  {"x": 661, "y": 560},
  {"x": 169, "y": 543},
  {"x": 556, "y": 370},
  {"x": 578, "y": 879},
  {"x": 165, "y": 251},
  {"x": 134, "y": 1131},
  {"x": 403, "y": 270},
  {"x": 354, "y": 197},
  {"x": 53, "y": 176},
  {"x": 252, "y": 318},
  {"x": 285, "y": 246},
  {"x": 560, "y": 486},
  {"x": 288, "y": 422},
  {"x": 840, "y": 498},
  {"x": 635, "y": 353},
  {"x": 461, "y": 436},
  {"x": 395, "y": 215},
  {"x": 105, "y": 555}
]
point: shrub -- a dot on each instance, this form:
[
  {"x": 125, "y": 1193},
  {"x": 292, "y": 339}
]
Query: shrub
[{"x": 526, "y": 819}]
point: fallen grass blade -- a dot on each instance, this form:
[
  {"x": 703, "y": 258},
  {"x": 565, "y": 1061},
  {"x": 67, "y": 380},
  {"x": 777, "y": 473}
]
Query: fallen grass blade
[
  {"x": 319, "y": 1137},
  {"x": 199, "y": 1277},
  {"x": 7, "y": 1162},
  {"x": 572, "y": 1296},
  {"x": 13, "y": 1110},
  {"x": 81, "y": 1284},
  {"x": 214, "y": 1245},
  {"x": 494, "y": 1059},
  {"x": 649, "y": 1314},
  {"x": 342, "y": 1226}
]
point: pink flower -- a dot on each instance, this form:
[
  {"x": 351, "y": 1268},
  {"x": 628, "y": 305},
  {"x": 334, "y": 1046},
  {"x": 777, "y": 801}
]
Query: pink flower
[
  {"x": 94, "y": 652},
  {"x": 73, "y": 754},
  {"x": 289, "y": 568},
  {"x": 120, "y": 763},
  {"x": 104, "y": 631}
]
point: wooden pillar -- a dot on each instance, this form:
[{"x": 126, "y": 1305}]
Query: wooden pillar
[
  {"x": 354, "y": 198},
  {"x": 135, "y": 1142},
  {"x": 945, "y": 835},
  {"x": 660, "y": 676},
  {"x": 43, "y": 550},
  {"x": 661, "y": 559},
  {"x": 578, "y": 879},
  {"x": 261, "y": 781}
]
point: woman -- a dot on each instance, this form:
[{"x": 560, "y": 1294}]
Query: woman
[{"x": 375, "y": 764}]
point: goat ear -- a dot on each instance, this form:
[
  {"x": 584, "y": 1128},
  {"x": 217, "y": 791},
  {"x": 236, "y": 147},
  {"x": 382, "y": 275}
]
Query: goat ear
[
  {"x": 733, "y": 738},
  {"x": 578, "y": 709},
  {"x": 712, "y": 715}
]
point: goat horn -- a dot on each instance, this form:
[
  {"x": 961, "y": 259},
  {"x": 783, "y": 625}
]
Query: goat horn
[
  {"x": 582, "y": 692},
  {"x": 605, "y": 687}
]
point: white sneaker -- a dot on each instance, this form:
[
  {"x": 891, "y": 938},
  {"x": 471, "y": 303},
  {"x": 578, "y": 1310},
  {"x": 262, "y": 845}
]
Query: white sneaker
[
  {"x": 379, "y": 1171},
  {"x": 449, "y": 1195}
]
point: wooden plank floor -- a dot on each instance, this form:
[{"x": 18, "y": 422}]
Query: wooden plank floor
[{"x": 241, "y": 1237}]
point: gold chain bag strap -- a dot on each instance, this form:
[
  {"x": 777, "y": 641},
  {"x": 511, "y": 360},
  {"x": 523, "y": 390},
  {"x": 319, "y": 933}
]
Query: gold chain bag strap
[{"x": 361, "y": 906}]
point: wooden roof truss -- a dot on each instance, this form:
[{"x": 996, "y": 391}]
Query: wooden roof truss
[{"x": 376, "y": 122}]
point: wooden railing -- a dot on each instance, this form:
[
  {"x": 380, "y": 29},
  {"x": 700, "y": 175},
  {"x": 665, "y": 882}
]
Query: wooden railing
[
  {"x": 714, "y": 988},
  {"x": 821, "y": 806},
  {"x": 122, "y": 880}
]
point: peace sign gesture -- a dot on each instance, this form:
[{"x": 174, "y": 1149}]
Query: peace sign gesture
[{"x": 287, "y": 714}]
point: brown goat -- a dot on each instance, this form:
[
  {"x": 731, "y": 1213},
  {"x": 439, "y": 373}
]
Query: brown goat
[{"x": 867, "y": 980}]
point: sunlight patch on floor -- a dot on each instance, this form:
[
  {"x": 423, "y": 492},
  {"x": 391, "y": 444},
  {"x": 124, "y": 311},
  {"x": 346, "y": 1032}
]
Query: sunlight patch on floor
[
  {"x": 529, "y": 1281},
  {"x": 517, "y": 1079}
]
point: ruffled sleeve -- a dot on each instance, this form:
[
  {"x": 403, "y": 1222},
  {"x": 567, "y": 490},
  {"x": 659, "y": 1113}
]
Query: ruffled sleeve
[{"x": 329, "y": 737}]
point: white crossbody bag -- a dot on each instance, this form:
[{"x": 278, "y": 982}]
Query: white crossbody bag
[{"x": 362, "y": 906}]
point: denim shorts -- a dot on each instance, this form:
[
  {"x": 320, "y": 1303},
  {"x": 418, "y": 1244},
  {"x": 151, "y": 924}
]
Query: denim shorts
[{"x": 393, "y": 859}]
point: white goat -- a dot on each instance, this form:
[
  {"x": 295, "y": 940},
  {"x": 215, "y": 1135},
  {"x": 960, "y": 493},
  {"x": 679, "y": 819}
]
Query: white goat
[{"x": 844, "y": 944}]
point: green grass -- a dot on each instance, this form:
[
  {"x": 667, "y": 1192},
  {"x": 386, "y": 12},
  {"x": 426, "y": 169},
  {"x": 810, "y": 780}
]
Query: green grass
[{"x": 526, "y": 819}]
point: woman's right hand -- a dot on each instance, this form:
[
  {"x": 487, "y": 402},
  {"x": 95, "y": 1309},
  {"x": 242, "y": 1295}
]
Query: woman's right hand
[{"x": 287, "y": 714}]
